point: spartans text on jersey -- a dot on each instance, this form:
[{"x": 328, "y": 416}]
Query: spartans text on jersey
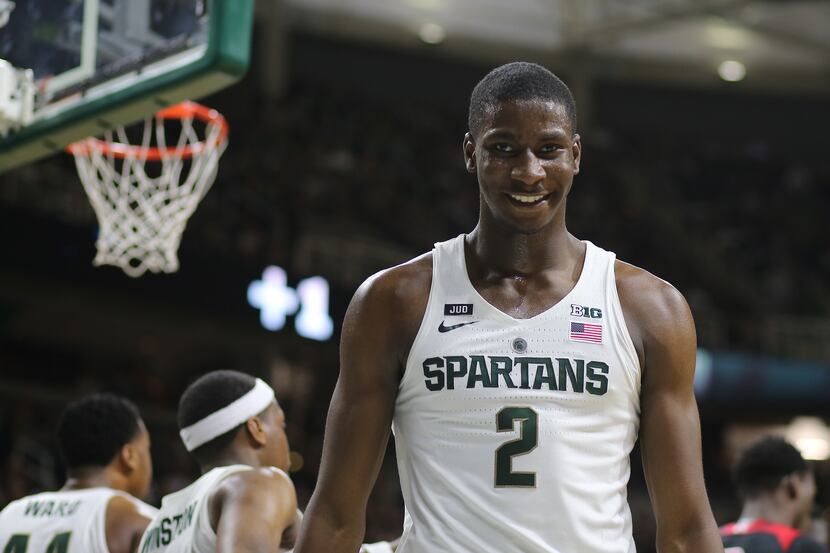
[{"x": 494, "y": 371}]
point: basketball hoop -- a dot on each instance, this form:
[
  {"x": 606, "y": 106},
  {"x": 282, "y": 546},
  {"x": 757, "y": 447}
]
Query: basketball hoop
[{"x": 143, "y": 194}]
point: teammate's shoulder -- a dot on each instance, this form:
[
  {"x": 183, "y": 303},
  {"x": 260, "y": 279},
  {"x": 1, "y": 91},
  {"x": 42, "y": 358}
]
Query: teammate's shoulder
[
  {"x": 125, "y": 521},
  {"x": 125, "y": 511},
  {"x": 265, "y": 486},
  {"x": 267, "y": 479},
  {"x": 125, "y": 503},
  {"x": 273, "y": 475},
  {"x": 118, "y": 503}
]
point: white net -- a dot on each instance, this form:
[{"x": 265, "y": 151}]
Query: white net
[{"x": 143, "y": 203}]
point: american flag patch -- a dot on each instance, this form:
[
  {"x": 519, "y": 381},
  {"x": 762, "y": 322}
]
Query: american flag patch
[{"x": 586, "y": 332}]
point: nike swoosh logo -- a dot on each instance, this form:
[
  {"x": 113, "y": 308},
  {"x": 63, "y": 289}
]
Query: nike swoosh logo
[{"x": 444, "y": 328}]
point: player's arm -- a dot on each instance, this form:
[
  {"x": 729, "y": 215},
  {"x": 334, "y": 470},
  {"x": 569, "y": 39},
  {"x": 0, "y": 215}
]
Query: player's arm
[
  {"x": 663, "y": 331},
  {"x": 250, "y": 510},
  {"x": 360, "y": 415},
  {"x": 124, "y": 525}
]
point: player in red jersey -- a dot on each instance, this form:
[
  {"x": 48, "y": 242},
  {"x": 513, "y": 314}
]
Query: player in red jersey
[{"x": 777, "y": 488}]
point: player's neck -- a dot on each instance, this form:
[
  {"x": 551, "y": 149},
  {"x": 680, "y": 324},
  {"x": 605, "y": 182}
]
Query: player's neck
[
  {"x": 234, "y": 456},
  {"x": 508, "y": 254},
  {"x": 769, "y": 510},
  {"x": 84, "y": 478}
]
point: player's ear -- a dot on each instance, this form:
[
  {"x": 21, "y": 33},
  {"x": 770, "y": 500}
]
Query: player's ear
[
  {"x": 576, "y": 151},
  {"x": 469, "y": 147},
  {"x": 790, "y": 487},
  {"x": 128, "y": 456},
  {"x": 256, "y": 430}
]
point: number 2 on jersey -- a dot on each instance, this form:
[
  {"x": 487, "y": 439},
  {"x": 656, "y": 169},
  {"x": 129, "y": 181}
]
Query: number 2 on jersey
[
  {"x": 524, "y": 444},
  {"x": 19, "y": 542}
]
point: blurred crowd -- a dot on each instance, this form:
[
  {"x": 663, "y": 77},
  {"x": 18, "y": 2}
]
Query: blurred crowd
[{"x": 738, "y": 226}]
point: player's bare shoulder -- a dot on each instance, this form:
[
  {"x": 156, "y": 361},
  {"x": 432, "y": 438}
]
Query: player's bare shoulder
[
  {"x": 266, "y": 481},
  {"x": 268, "y": 487},
  {"x": 124, "y": 524},
  {"x": 396, "y": 299},
  {"x": 410, "y": 281},
  {"x": 654, "y": 309}
]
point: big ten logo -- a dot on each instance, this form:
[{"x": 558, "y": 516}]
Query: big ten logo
[
  {"x": 275, "y": 300},
  {"x": 584, "y": 311}
]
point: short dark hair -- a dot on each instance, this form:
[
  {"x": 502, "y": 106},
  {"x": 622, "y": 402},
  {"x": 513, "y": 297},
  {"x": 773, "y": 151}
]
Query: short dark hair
[
  {"x": 764, "y": 464},
  {"x": 207, "y": 395},
  {"x": 518, "y": 81},
  {"x": 93, "y": 429}
]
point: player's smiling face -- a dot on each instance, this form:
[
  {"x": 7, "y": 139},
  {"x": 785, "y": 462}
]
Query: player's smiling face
[{"x": 525, "y": 157}]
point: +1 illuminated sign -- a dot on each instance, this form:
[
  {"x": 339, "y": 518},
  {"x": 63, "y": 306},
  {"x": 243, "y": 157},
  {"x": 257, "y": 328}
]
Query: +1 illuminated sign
[{"x": 275, "y": 300}]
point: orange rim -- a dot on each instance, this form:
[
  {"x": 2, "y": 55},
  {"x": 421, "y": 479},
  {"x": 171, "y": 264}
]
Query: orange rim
[{"x": 185, "y": 110}]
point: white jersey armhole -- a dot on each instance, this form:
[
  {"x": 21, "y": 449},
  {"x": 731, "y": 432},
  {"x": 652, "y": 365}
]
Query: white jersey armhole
[
  {"x": 625, "y": 341},
  {"x": 422, "y": 328}
]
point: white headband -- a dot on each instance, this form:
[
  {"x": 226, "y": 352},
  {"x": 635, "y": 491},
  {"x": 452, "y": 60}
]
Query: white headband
[{"x": 228, "y": 417}]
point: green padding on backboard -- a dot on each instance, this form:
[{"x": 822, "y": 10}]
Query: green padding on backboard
[{"x": 225, "y": 60}]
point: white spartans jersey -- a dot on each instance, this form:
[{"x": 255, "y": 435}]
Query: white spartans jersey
[
  {"x": 183, "y": 524},
  {"x": 513, "y": 435},
  {"x": 72, "y": 521}
]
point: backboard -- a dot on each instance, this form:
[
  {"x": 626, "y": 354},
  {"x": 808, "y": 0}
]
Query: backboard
[{"x": 98, "y": 64}]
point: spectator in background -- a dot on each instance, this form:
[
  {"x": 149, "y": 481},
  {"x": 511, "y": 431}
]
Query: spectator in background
[{"x": 777, "y": 489}]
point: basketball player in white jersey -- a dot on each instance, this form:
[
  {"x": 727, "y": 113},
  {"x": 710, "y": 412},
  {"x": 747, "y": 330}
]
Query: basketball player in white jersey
[
  {"x": 244, "y": 502},
  {"x": 106, "y": 449},
  {"x": 517, "y": 365}
]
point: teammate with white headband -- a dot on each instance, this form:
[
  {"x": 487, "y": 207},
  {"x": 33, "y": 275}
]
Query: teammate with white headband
[{"x": 244, "y": 501}]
